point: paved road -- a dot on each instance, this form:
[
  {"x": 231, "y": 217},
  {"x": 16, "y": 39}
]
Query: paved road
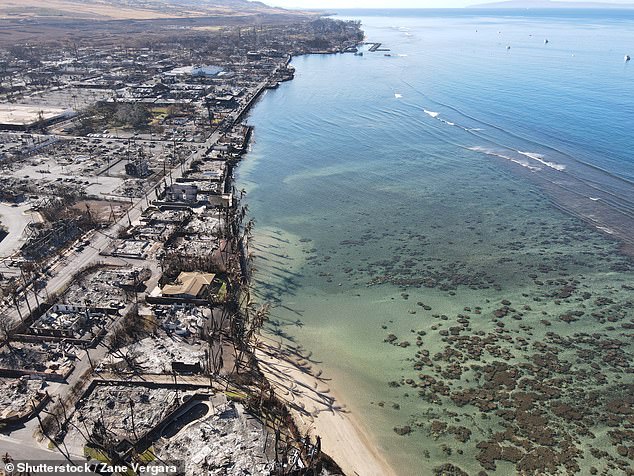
[
  {"x": 35, "y": 454},
  {"x": 19, "y": 451}
]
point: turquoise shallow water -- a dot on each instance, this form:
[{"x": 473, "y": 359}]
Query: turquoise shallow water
[{"x": 435, "y": 227}]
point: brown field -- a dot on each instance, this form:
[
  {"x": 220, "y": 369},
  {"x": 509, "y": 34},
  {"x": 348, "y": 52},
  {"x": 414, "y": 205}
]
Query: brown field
[
  {"x": 108, "y": 22},
  {"x": 102, "y": 211},
  {"x": 118, "y": 10},
  {"x": 132, "y": 33},
  {"x": 16, "y": 9}
]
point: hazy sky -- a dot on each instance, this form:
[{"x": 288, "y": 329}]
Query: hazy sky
[{"x": 333, "y": 4}]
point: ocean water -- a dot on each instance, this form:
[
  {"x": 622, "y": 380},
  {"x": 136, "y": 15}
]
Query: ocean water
[{"x": 447, "y": 230}]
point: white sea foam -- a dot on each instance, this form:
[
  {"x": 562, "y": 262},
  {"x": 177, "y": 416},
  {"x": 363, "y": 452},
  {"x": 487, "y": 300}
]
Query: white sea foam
[
  {"x": 540, "y": 158},
  {"x": 398, "y": 96},
  {"x": 605, "y": 229},
  {"x": 431, "y": 113},
  {"x": 402, "y": 55},
  {"x": 493, "y": 153}
]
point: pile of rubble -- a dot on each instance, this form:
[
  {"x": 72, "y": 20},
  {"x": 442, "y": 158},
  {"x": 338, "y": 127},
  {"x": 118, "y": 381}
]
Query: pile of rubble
[
  {"x": 228, "y": 441},
  {"x": 45, "y": 357},
  {"x": 125, "y": 411},
  {"x": 18, "y": 395},
  {"x": 156, "y": 355},
  {"x": 105, "y": 287}
]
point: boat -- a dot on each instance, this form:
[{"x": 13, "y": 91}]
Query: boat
[
  {"x": 387, "y": 54},
  {"x": 360, "y": 53},
  {"x": 627, "y": 58},
  {"x": 546, "y": 41}
]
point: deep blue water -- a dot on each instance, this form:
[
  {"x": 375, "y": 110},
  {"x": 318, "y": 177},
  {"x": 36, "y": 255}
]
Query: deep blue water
[
  {"x": 570, "y": 100},
  {"x": 472, "y": 163}
]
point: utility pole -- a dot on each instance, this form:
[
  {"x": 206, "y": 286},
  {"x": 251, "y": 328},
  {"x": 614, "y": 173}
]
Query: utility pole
[
  {"x": 135, "y": 273},
  {"x": 132, "y": 414},
  {"x": 92, "y": 366},
  {"x": 175, "y": 384},
  {"x": 26, "y": 290},
  {"x": 209, "y": 113},
  {"x": 16, "y": 303}
]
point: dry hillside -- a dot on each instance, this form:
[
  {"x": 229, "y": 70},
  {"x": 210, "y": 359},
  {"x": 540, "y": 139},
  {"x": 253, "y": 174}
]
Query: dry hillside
[{"x": 128, "y": 9}]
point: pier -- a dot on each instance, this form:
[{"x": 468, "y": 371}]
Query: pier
[{"x": 376, "y": 47}]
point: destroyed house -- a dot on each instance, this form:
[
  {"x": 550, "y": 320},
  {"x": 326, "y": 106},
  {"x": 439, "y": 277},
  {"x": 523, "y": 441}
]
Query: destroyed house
[
  {"x": 227, "y": 101},
  {"x": 180, "y": 192}
]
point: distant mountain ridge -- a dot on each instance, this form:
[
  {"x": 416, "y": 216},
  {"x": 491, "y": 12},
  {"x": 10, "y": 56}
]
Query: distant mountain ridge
[
  {"x": 131, "y": 9},
  {"x": 537, "y": 4},
  {"x": 190, "y": 4}
]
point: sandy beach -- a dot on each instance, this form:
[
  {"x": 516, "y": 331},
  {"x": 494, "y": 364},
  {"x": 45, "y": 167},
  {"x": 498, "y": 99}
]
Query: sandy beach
[{"x": 318, "y": 410}]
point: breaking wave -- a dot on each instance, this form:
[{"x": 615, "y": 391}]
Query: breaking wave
[
  {"x": 540, "y": 158},
  {"x": 516, "y": 160}
]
